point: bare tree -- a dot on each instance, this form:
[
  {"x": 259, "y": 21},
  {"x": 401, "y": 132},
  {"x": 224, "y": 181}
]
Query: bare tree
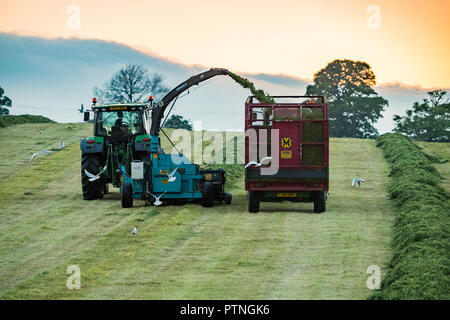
[{"x": 131, "y": 83}]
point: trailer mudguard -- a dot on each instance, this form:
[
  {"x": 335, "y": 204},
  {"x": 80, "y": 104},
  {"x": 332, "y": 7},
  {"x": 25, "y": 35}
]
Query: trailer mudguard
[{"x": 92, "y": 147}]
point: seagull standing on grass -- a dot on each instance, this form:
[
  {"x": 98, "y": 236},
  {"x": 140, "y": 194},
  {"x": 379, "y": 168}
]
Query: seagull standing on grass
[
  {"x": 157, "y": 202},
  {"x": 357, "y": 181},
  {"x": 264, "y": 161},
  {"x": 61, "y": 146},
  {"x": 134, "y": 232}
]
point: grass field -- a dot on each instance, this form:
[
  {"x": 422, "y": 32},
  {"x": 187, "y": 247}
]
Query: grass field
[
  {"x": 440, "y": 150},
  {"x": 184, "y": 252}
]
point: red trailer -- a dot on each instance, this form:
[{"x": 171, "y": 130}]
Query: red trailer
[{"x": 301, "y": 153}]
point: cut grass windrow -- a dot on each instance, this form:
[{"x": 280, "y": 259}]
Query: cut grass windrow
[{"x": 420, "y": 266}]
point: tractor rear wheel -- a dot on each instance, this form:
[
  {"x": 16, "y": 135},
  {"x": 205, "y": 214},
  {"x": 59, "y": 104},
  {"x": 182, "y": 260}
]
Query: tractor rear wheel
[
  {"x": 207, "y": 194},
  {"x": 253, "y": 201},
  {"x": 320, "y": 202},
  {"x": 127, "y": 195},
  {"x": 91, "y": 189}
]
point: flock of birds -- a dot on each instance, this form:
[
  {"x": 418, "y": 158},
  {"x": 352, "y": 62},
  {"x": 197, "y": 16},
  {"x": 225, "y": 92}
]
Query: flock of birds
[
  {"x": 171, "y": 176},
  {"x": 34, "y": 155}
]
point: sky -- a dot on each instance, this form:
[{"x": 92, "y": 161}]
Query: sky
[{"x": 406, "y": 42}]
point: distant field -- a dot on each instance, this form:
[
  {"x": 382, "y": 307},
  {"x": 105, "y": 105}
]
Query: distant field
[
  {"x": 441, "y": 150},
  {"x": 9, "y": 120},
  {"x": 184, "y": 252}
]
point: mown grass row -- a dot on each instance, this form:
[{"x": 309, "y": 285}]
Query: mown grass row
[
  {"x": 420, "y": 266},
  {"x": 9, "y": 120}
]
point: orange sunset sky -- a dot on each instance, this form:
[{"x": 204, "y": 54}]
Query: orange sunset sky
[{"x": 279, "y": 37}]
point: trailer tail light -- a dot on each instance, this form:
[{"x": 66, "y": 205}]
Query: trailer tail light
[
  {"x": 146, "y": 139},
  {"x": 91, "y": 141}
]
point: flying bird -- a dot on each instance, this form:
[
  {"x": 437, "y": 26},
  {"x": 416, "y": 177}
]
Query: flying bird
[
  {"x": 81, "y": 110},
  {"x": 264, "y": 161},
  {"x": 357, "y": 181},
  {"x": 93, "y": 177},
  {"x": 157, "y": 202},
  {"x": 61, "y": 146},
  {"x": 38, "y": 153},
  {"x": 171, "y": 176},
  {"x": 134, "y": 231}
]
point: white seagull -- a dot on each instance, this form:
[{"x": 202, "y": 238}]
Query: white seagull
[
  {"x": 357, "y": 181},
  {"x": 171, "y": 176},
  {"x": 61, "y": 146},
  {"x": 93, "y": 177},
  {"x": 134, "y": 231},
  {"x": 38, "y": 153},
  {"x": 157, "y": 202},
  {"x": 264, "y": 161}
]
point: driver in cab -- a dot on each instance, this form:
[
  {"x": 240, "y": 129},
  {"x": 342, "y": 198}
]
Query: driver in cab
[{"x": 120, "y": 128}]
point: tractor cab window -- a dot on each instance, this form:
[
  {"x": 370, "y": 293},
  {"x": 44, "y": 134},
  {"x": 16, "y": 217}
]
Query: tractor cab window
[{"x": 119, "y": 123}]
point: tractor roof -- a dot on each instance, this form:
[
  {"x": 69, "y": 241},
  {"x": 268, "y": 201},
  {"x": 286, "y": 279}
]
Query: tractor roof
[{"x": 120, "y": 106}]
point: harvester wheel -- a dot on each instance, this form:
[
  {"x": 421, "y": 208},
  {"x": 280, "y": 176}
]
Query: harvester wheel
[
  {"x": 127, "y": 195},
  {"x": 320, "y": 202},
  {"x": 207, "y": 194},
  {"x": 91, "y": 189},
  {"x": 228, "y": 198},
  {"x": 253, "y": 201}
]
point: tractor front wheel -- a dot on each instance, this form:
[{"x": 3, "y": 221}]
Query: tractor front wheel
[
  {"x": 91, "y": 189},
  {"x": 127, "y": 195}
]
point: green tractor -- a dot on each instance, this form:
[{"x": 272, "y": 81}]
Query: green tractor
[{"x": 120, "y": 137}]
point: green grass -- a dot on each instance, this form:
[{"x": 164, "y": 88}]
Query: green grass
[
  {"x": 185, "y": 252},
  {"x": 420, "y": 266},
  {"x": 9, "y": 120},
  {"x": 440, "y": 150}
]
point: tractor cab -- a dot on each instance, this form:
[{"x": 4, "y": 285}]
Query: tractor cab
[{"x": 120, "y": 122}]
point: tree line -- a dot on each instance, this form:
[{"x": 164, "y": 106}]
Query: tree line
[{"x": 348, "y": 86}]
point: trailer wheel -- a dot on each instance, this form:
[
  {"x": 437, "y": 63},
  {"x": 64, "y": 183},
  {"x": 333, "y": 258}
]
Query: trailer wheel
[
  {"x": 228, "y": 198},
  {"x": 253, "y": 201},
  {"x": 106, "y": 189},
  {"x": 91, "y": 189},
  {"x": 207, "y": 194},
  {"x": 127, "y": 195},
  {"x": 320, "y": 202}
]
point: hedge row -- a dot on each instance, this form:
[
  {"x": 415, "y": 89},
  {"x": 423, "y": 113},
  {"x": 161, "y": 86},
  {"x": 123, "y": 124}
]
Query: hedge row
[
  {"x": 420, "y": 266},
  {"x": 9, "y": 120}
]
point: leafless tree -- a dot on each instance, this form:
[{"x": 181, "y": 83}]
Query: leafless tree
[{"x": 132, "y": 83}]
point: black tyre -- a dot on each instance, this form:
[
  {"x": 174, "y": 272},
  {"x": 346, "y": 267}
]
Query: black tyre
[
  {"x": 207, "y": 194},
  {"x": 228, "y": 198},
  {"x": 320, "y": 202},
  {"x": 253, "y": 201},
  {"x": 106, "y": 189},
  {"x": 127, "y": 195},
  {"x": 91, "y": 189}
]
